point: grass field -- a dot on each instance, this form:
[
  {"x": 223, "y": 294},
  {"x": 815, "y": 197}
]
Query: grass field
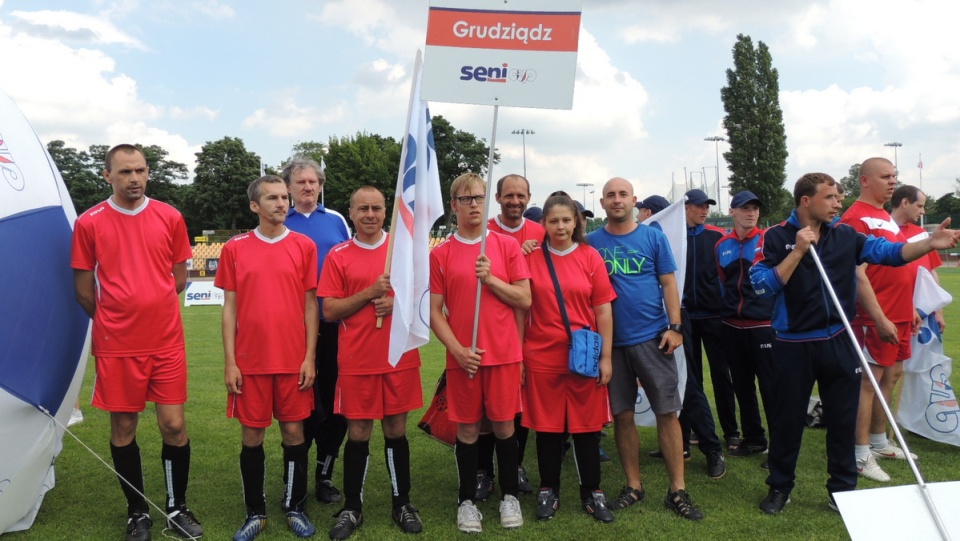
[{"x": 88, "y": 504}]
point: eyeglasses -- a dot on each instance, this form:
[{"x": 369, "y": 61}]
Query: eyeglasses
[{"x": 467, "y": 199}]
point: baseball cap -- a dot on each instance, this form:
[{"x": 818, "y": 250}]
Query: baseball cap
[
  {"x": 744, "y": 197},
  {"x": 586, "y": 213},
  {"x": 533, "y": 214},
  {"x": 698, "y": 197},
  {"x": 654, "y": 203}
]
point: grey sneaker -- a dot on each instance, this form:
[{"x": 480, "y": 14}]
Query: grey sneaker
[
  {"x": 510, "y": 515},
  {"x": 185, "y": 524},
  {"x": 524, "y": 483},
  {"x": 469, "y": 518}
]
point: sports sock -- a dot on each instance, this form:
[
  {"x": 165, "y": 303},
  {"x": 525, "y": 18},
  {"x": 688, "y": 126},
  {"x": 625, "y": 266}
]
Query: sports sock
[
  {"x": 252, "y": 470},
  {"x": 586, "y": 452},
  {"x": 862, "y": 451},
  {"x": 466, "y": 454},
  {"x": 356, "y": 457},
  {"x": 879, "y": 441},
  {"x": 295, "y": 465},
  {"x": 324, "y": 467},
  {"x": 549, "y": 459},
  {"x": 487, "y": 443},
  {"x": 507, "y": 463},
  {"x": 176, "y": 472},
  {"x": 397, "y": 453},
  {"x": 522, "y": 432},
  {"x": 127, "y": 462}
]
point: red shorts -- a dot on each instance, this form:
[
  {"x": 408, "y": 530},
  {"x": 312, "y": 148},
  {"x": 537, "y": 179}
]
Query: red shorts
[
  {"x": 125, "y": 384},
  {"x": 375, "y": 396},
  {"x": 565, "y": 402},
  {"x": 493, "y": 392},
  {"x": 883, "y": 353},
  {"x": 266, "y": 396}
]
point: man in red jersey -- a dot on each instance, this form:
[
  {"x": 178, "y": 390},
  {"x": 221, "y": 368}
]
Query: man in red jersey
[
  {"x": 270, "y": 318},
  {"x": 129, "y": 260},
  {"x": 484, "y": 382},
  {"x": 885, "y": 316},
  {"x": 355, "y": 292},
  {"x": 908, "y": 206}
]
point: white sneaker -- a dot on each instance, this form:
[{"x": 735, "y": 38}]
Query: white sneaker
[
  {"x": 510, "y": 515},
  {"x": 892, "y": 450},
  {"x": 75, "y": 418},
  {"x": 871, "y": 470},
  {"x": 469, "y": 517}
]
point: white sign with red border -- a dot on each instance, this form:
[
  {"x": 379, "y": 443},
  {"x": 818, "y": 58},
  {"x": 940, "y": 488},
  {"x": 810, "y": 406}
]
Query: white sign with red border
[{"x": 515, "y": 53}]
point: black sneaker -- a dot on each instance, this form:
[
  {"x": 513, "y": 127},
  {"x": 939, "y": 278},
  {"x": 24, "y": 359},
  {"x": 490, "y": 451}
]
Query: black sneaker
[
  {"x": 408, "y": 518},
  {"x": 547, "y": 504},
  {"x": 832, "y": 504},
  {"x": 659, "y": 454},
  {"x": 348, "y": 520},
  {"x": 138, "y": 527},
  {"x": 596, "y": 507},
  {"x": 747, "y": 449},
  {"x": 775, "y": 501},
  {"x": 680, "y": 503},
  {"x": 484, "y": 486},
  {"x": 628, "y": 496},
  {"x": 733, "y": 442},
  {"x": 716, "y": 464},
  {"x": 765, "y": 465},
  {"x": 184, "y": 523},
  {"x": 524, "y": 483},
  {"x": 327, "y": 493}
]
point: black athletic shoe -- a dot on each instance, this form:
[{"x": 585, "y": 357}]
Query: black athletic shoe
[
  {"x": 327, "y": 493},
  {"x": 184, "y": 523},
  {"x": 747, "y": 449},
  {"x": 659, "y": 454},
  {"x": 832, "y": 504},
  {"x": 680, "y": 503},
  {"x": 716, "y": 464},
  {"x": 523, "y": 482},
  {"x": 547, "y": 504},
  {"x": 596, "y": 507},
  {"x": 765, "y": 465},
  {"x": 775, "y": 501},
  {"x": 408, "y": 518},
  {"x": 484, "y": 486},
  {"x": 628, "y": 496},
  {"x": 138, "y": 527},
  {"x": 347, "y": 521}
]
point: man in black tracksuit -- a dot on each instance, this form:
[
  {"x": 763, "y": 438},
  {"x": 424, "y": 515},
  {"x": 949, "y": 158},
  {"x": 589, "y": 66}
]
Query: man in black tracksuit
[{"x": 811, "y": 344}]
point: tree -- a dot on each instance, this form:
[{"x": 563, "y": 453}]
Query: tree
[
  {"x": 164, "y": 176},
  {"x": 81, "y": 175},
  {"x": 851, "y": 182},
  {"x": 459, "y": 152},
  {"x": 754, "y": 125},
  {"x": 218, "y": 197}
]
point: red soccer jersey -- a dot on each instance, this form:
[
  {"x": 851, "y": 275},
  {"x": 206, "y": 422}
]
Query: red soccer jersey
[
  {"x": 453, "y": 274},
  {"x": 350, "y": 268},
  {"x": 271, "y": 278},
  {"x": 132, "y": 254},
  {"x": 528, "y": 230},
  {"x": 585, "y": 283},
  {"x": 893, "y": 285},
  {"x": 915, "y": 233}
]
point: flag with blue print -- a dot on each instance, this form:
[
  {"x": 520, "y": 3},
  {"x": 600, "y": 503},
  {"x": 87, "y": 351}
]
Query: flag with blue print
[{"x": 419, "y": 205}]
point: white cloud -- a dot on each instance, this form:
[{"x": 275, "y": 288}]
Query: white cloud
[
  {"x": 178, "y": 113},
  {"x": 215, "y": 9},
  {"x": 67, "y": 24},
  {"x": 379, "y": 23},
  {"x": 285, "y": 118}
]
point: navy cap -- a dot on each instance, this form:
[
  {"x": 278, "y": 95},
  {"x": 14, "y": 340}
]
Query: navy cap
[
  {"x": 744, "y": 197},
  {"x": 698, "y": 197},
  {"x": 533, "y": 214},
  {"x": 654, "y": 203},
  {"x": 586, "y": 213}
]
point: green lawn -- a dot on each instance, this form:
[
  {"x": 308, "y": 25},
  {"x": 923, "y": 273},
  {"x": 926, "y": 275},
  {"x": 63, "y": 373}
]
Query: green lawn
[{"x": 88, "y": 504}]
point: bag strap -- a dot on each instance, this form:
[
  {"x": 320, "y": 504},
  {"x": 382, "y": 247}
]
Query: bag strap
[{"x": 545, "y": 248}]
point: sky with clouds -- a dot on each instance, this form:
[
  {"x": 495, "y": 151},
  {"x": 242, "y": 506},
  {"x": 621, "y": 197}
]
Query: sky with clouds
[{"x": 854, "y": 75}]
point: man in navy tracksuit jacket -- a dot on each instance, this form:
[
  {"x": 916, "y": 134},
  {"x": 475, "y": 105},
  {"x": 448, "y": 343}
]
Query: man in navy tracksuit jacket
[
  {"x": 747, "y": 335},
  {"x": 811, "y": 343}
]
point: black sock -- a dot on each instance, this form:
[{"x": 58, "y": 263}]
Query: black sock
[
  {"x": 507, "y": 464},
  {"x": 176, "y": 472},
  {"x": 126, "y": 460},
  {"x": 356, "y": 456},
  {"x": 586, "y": 451},
  {"x": 295, "y": 465},
  {"x": 466, "y": 454},
  {"x": 549, "y": 459},
  {"x": 486, "y": 444},
  {"x": 253, "y": 465},
  {"x": 324, "y": 467},
  {"x": 397, "y": 453},
  {"x": 522, "y": 432}
]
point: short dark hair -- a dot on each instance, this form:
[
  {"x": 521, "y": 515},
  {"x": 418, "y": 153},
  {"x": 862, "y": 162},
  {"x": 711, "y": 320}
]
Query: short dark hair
[
  {"x": 122, "y": 147},
  {"x": 512, "y": 176},
  {"x": 910, "y": 193},
  {"x": 561, "y": 199},
  {"x": 807, "y": 185},
  {"x": 297, "y": 163},
  {"x": 253, "y": 190}
]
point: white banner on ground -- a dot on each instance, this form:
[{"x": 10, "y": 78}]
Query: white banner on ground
[
  {"x": 518, "y": 53},
  {"x": 203, "y": 294},
  {"x": 905, "y": 512}
]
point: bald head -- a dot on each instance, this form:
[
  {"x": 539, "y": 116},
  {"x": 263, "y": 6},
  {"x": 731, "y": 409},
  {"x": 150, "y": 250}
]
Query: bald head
[
  {"x": 872, "y": 166},
  {"x": 878, "y": 179},
  {"x": 617, "y": 184},
  {"x": 618, "y": 201}
]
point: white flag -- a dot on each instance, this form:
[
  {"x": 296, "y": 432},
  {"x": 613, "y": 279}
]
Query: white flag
[{"x": 419, "y": 204}]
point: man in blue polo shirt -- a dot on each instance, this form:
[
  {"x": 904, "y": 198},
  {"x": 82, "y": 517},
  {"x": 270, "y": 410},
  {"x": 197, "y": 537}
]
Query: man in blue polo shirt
[{"x": 327, "y": 228}]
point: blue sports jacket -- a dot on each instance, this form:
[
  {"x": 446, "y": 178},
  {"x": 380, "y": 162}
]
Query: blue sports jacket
[
  {"x": 701, "y": 286},
  {"x": 740, "y": 304}
]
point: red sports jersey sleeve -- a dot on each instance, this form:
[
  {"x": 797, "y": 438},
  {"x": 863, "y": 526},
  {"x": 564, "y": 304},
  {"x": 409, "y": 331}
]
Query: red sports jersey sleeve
[
  {"x": 132, "y": 254},
  {"x": 271, "y": 278},
  {"x": 528, "y": 230},
  {"x": 350, "y": 268},
  {"x": 453, "y": 275},
  {"x": 585, "y": 284},
  {"x": 915, "y": 233}
]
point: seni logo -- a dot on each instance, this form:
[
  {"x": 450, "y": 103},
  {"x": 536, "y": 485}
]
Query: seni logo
[
  {"x": 205, "y": 296},
  {"x": 501, "y": 74}
]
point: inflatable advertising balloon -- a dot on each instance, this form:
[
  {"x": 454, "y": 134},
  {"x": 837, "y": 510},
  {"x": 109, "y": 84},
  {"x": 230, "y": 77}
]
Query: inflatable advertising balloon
[{"x": 43, "y": 330}]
